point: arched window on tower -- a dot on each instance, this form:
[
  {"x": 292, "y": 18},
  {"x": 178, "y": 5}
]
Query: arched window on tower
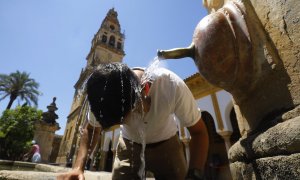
[
  {"x": 104, "y": 38},
  {"x": 119, "y": 45},
  {"x": 112, "y": 41},
  {"x": 112, "y": 27}
]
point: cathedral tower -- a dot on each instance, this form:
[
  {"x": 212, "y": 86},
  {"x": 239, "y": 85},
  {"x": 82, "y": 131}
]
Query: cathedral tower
[
  {"x": 107, "y": 46},
  {"x": 108, "y": 42}
]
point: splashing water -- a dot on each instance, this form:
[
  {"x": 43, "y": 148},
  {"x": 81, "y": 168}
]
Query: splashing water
[
  {"x": 142, "y": 133},
  {"x": 82, "y": 89},
  {"x": 79, "y": 129},
  {"x": 142, "y": 155},
  {"x": 147, "y": 77},
  {"x": 122, "y": 95},
  {"x": 153, "y": 66}
]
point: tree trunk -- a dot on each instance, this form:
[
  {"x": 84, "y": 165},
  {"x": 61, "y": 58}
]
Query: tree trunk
[{"x": 11, "y": 100}]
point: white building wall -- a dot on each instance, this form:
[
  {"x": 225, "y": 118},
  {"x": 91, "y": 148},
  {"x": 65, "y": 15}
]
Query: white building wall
[{"x": 225, "y": 105}]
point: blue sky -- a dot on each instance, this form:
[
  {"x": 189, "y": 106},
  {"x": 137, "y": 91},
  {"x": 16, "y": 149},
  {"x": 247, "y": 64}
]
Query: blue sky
[{"x": 50, "y": 39}]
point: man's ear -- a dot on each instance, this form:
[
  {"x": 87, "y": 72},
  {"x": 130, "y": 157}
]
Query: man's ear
[{"x": 147, "y": 88}]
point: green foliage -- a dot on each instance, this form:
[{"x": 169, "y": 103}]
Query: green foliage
[
  {"x": 18, "y": 85},
  {"x": 17, "y": 130}
]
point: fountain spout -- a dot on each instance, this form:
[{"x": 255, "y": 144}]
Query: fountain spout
[
  {"x": 221, "y": 49},
  {"x": 177, "y": 53}
]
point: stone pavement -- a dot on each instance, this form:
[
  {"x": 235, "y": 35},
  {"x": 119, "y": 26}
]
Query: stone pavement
[
  {"x": 43, "y": 172},
  {"x": 35, "y": 175}
]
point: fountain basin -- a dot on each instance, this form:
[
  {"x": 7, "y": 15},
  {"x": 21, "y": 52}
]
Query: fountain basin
[{"x": 18, "y": 170}]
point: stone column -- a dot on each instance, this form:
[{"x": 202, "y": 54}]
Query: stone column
[
  {"x": 226, "y": 136},
  {"x": 214, "y": 99}
]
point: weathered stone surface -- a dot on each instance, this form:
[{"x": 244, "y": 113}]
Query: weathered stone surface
[
  {"x": 291, "y": 114},
  {"x": 35, "y": 171},
  {"x": 271, "y": 80},
  {"x": 282, "y": 139},
  {"x": 281, "y": 21},
  {"x": 50, "y": 168},
  {"x": 277, "y": 167},
  {"x": 27, "y": 175},
  {"x": 272, "y": 153},
  {"x": 237, "y": 152},
  {"x": 241, "y": 170}
]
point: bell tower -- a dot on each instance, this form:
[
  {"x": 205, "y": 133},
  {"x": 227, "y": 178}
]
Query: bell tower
[
  {"x": 108, "y": 42},
  {"x": 107, "y": 46}
]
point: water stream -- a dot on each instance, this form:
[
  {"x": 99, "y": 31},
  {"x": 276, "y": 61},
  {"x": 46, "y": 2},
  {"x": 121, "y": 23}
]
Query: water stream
[
  {"x": 147, "y": 77},
  {"x": 152, "y": 67}
]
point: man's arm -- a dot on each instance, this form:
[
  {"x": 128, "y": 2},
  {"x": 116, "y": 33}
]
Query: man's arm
[
  {"x": 89, "y": 134},
  {"x": 198, "y": 146}
]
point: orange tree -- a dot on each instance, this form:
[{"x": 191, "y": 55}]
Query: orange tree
[{"x": 17, "y": 131}]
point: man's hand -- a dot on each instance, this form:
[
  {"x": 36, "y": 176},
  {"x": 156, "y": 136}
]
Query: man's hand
[
  {"x": 75, "y": 174},
  {"x": 78, "y": 168}
]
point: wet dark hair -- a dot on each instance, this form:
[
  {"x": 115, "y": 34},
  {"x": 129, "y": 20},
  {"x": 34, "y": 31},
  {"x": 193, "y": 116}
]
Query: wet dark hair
[{"x": 110, "y": 102}]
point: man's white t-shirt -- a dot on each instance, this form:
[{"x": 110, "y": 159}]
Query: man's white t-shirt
[{"x": 170, "y": 97}]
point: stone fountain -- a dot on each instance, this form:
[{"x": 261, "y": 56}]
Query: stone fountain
[
  {"x": 251, "y": 49},
  {"x": 45, "y": 131}
]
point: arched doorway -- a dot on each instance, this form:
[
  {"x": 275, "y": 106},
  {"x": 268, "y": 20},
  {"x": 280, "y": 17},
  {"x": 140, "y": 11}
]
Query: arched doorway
[
  {"x": 217, "y": 162},
  {"x": 236, "y": 135}
]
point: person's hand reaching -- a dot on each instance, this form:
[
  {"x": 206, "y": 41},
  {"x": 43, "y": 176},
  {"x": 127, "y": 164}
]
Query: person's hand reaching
[{"x": 75, "y": 174}]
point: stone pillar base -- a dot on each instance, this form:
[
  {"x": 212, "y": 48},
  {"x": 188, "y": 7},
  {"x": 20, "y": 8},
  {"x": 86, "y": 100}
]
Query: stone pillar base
[
  {"x": 277, "y": 167},
  {"x": 272, "y": 154}
]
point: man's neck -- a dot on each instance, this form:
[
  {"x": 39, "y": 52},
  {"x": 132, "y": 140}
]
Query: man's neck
[{"x": 139, "y": 73}]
